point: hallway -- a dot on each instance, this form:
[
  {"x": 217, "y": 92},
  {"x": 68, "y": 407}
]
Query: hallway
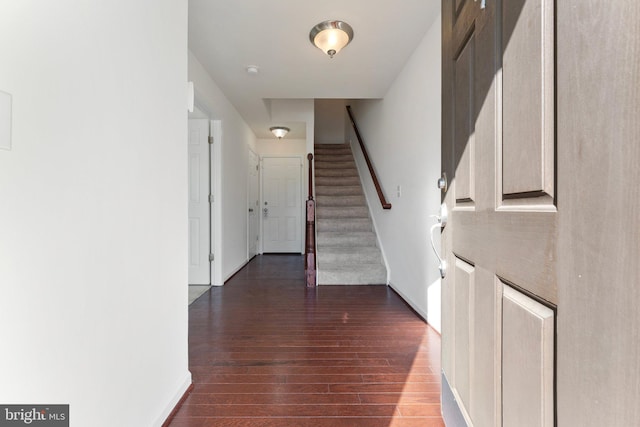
[{"x": 265, "y": 351}]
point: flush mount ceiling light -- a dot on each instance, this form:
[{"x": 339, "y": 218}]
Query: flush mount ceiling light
[
  {"x": 331, "y": 36},
  {"x": 279, "y": 131}
]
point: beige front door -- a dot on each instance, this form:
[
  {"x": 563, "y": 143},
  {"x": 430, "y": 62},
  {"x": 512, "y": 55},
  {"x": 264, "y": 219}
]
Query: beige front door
[
  {"x": 598, "y": 251},
  {"x": 499, "y": 293}
]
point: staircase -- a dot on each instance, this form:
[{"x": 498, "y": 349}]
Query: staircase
[{"x": 347, "y": 251}]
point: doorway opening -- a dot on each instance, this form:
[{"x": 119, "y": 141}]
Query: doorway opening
[{"x": 204, "y": 136}]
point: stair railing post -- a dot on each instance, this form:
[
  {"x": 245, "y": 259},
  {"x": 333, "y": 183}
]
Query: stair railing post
[{"x": 310, "y": 240}]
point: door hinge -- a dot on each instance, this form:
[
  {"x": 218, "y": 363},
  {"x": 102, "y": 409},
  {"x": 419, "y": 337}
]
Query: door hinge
[
  {"x": 211, "y": 198},
  {"x": 257, "y": 167},
  {"x": 211, "y": 257},
  {"x": 210, "y": 140}
]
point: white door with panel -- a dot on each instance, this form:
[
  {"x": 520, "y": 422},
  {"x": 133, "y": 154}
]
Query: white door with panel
[
  {"x": 253, "y": 205},
  {"x": 199, "y": 206},
  {"x": 282, "y": 204},
  {"x": 499, "y": 293}
]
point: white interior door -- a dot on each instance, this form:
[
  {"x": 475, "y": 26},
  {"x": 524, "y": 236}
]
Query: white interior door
[
  {"x": 282, "y": 204},
  {"x": 253, "y": 205},
  {"x": 199, "y": 209}
]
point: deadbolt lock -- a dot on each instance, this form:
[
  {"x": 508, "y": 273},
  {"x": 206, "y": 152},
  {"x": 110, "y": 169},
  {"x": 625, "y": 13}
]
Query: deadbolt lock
[{"x": 442, "y": 182}]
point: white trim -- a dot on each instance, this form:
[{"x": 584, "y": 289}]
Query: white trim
[
  {"x": 234, "y": 271},
  {"x": 258, "y": 245},
  {"x": 260, "y": 195},
  {"x": 181, "y": 389},
  {"x": 215, "y": 175},
  {"x": 422, "y": 313},
  {"x": 216, "y": 186}
]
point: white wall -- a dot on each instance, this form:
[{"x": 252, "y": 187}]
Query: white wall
[
  {"x": 237, "y": 139},
  {"x": 284, "y": 147},
  {"x": 93, "y": 208},
  {"x": 330, "y": 120},
  {"x": 296, "y": 110},
  {"x": 402, "y": 135}
]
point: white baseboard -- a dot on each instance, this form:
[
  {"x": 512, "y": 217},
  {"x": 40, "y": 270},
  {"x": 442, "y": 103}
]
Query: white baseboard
[
  {"x": 181, "y": 390},
  {"x": 235, "y": 270},
  {"x": 417, "y": 309}
]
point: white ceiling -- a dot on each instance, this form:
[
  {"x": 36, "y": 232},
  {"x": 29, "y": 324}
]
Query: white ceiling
[{"x": 229, "y": 35}]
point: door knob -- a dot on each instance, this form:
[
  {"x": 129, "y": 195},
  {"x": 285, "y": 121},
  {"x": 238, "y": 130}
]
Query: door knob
[
  {"x": 483, "y": 3},
  {"x": 265, "y": 212},
  {"x": 250, "y": 210}
]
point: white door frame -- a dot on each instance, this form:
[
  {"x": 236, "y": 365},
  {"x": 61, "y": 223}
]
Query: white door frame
[
  {"x": 215, "y": 186},
  {"x": 199, "y": 207},
  {"x": 216, "y": 207},
  {"x": 256, "y": 208}
]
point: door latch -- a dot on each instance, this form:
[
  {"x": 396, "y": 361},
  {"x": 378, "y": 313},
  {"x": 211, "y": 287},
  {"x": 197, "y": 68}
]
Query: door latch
[{"x": 442, "y": 222}]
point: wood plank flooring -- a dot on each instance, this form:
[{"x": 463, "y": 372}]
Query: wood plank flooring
[{"x": 266, "y": 351}]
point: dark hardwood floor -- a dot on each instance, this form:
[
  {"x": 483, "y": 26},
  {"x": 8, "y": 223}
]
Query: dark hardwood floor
[{"x": 266, "y": 351}]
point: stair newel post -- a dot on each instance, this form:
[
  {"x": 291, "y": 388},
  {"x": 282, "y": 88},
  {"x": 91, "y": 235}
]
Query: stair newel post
[{"x": 310, "y": 241}]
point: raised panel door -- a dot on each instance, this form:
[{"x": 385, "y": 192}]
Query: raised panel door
[
  {"x": 199, "y": 209},
  {"x": 282, "y": 204},
  {"x": 498, "y": 156}
]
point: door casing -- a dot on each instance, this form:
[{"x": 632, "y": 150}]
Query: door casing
[
  {"x": 199, "y": 207},
  {"x": 253, "y": 205}
]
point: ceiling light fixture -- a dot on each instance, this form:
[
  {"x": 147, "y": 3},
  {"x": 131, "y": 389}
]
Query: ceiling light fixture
[
  {"x": 331, "y": 36},
  {"x": 279, "y": 131}
]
